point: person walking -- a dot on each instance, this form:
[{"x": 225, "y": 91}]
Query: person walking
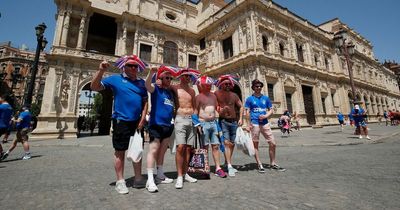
[
  {"x": 340, "y": 118},
  {"x": 23, "y": 125},
  {"x": 6, "y": 112},
  {"x": 296, "y": 119},
  {"x": 162, "y": 112},
  {"x": 184, "y": 130},
  {"x": 130, "y": 108},
  {"x": 258, "y": 110},
  {"x": 228, "y": 103},
  {"x": 359, "y": 121}
]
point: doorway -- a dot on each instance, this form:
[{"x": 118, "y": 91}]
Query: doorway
[{"x": 309, "y": 104}]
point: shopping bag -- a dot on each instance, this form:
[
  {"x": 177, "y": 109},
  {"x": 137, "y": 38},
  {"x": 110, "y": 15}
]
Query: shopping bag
[
  {"x": 198, "y": 162},
  {"x": 135, "y": 149},
  {"x": 244, "y": 142}
]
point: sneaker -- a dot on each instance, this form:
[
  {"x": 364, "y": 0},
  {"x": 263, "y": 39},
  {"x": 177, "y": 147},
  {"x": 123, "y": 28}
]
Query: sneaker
[
  {"x": 277, "y": 168},
  {"x": 138, "y": 184},
  {"x": 360, "y": 137},
  {"x": 151, "y": 187},
  {"x": 166, "y": 180},
  {"x": 190, "y": 179},
  {"x": 231, "y": 172},
  {"x": 5, "y": 155},
  {"x": 261, "y": 169},
  {"x": 220, "y": 173},
  {"x": 26, "y": 157},
  {"x": 120, "y": 187},
  {"x": 368, "y": 138},
  {"x": 179, "y": 183}
]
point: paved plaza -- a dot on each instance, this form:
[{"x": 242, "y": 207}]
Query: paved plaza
[{"x": 326, "y": 169}]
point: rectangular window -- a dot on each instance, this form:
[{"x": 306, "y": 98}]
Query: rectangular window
[
  {"x": 145, "y": 52},
  {"x": 270, "y": 88},
  {"x": 289, "y": 102},
  {"x": 202, "y": 43},
  {"x": 192, "y": 61},
  {"x": 299, "y": 49},
  {"x": 227, "y": 47},
  {"x": 323, "y": 105}
]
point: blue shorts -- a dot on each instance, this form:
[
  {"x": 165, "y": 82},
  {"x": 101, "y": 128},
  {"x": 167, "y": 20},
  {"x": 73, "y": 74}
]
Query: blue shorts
[
  {"x": 229, "y": 128},
  {"x": 210, "y": 132}
]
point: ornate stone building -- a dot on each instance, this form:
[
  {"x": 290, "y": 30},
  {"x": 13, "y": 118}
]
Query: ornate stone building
[
  {"x": 295, "y": 59},
  {"x": 15, "y": 73}
]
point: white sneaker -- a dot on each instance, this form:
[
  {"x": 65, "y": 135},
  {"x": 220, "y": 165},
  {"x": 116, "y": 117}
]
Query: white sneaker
[
  {"x": 121, "y": 188},
  {"x": 166, "y": 180},
  {"x": 360, "y": 137},
  {"x": 190, "y": 179},
  {"x": 151, "y": 187},
  {"x": 368, "y": 138},
  {"x": 179, "y": 183},
  {"x": 231, "y": 172},
  {"x": 26, "y": 157}
]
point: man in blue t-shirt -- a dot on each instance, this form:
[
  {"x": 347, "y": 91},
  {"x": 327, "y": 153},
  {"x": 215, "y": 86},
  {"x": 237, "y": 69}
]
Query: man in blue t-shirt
[
  {"x": 5, "y": 118},
  {"x": 130, "y": 108},
  {"x": 358, "y": 115},
  {"x": 160, "y": 126},
  {"x": 340, "y": 117},
  {"x": 259, "y": 109},
  {"x": 23, "y": 125}
]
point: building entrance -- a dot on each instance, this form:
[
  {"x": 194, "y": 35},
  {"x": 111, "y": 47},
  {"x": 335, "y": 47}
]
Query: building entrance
[{"x": 309, "y": 104}]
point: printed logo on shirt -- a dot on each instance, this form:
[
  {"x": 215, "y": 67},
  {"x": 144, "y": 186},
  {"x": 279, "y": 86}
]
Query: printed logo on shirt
[
  {"x": 259, "y": 109},
  {"x": 168, "y": 102}
]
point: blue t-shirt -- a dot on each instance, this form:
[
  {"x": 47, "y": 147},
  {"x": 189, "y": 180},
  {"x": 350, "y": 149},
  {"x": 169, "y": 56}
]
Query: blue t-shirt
[
  {"x": 5, "y": 115},
  {"x": 258, "y": 106},
  {"x": 340, "y": 116},
  {"x": 128, "y": 96},
  {"x": 26, "y": 120},
  {"x": 360, "y": 117},
  {"x": 162, "y": 107}
]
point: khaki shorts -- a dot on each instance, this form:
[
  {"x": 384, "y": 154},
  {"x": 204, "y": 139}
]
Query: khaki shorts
[
  {"x": 184, "y": 130},
  {"x": 22, "y": 134},
  {"x": 265, "y": 130}
]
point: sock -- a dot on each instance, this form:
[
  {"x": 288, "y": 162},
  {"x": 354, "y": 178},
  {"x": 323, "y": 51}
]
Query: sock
[
  {"x": 150, "y": 178},
  {"x": 160, "y": 172},
  {"x": 27, "y": 153},
  {"x": 230, "y": 166},
  {"x": 260, "y": 166}
]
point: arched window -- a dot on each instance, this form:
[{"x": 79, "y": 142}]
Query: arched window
[{"x": 170, "y": 55}]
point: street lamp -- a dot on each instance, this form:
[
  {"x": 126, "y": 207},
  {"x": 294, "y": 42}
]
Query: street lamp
[
  {"x": 347, "y": 49},
  {"x": 41, "y": 44},
  {"x": 90, "y": 96}
]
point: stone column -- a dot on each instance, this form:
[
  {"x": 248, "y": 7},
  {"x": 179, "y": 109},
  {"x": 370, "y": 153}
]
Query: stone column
[
  {"x": 329, "y": 105},
  {"x": 124, "y": 38},
  {"x": 59, "y": 26},
  {"x": 118, "y": 40},
  {"x": 65, "y": 26},
  {"x": 280, "y": 93},
  {"x": 82, "y": 30}
]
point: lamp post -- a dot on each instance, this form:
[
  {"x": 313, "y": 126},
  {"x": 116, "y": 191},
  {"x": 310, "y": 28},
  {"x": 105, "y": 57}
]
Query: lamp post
[
  {"x": 347, "y": 49},
  {"x": 41, "y": 44},
  {"x": 90, "y": 96}
]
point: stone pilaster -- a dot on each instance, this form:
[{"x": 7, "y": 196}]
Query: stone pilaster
[{"x": 65, "y": 27}]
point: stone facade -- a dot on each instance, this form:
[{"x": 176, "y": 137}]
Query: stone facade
[
  {"x": 15, "y": 72},
  {"x": 294, "y": 58}
]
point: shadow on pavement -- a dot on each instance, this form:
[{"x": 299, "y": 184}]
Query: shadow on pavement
[{"x": 17, "y": 159}]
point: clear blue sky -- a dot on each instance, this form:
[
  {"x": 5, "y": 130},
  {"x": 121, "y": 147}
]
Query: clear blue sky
[{"x": 377, "y": 21}]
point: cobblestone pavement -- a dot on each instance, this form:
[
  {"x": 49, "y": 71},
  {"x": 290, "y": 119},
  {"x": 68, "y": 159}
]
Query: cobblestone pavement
[{"x": 79, "y": 174}]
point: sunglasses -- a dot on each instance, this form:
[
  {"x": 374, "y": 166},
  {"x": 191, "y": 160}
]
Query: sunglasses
[
  {"x": 168, "y": 78},
  {"x": 227, "y": 84},
  {"x": 258, "y": 86},
  {"x": 131, "y": 65}
]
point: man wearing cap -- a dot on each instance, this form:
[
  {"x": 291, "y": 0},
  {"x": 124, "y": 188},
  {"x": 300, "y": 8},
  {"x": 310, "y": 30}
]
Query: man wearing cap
[
  {"x": 130, "y": 108},
  {"x": 229, "y": 103},
  {"x": 259, "y": 109},
  {"x": 205, "y": 109},
  {"x": 359, "y": 120},
  {"x": 160, "y": 126},
  {"x": 184, "y": 130},
  {"x": 23, "y": 125}
]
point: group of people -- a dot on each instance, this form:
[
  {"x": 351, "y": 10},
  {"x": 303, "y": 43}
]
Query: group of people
[
  {"x": 22, "y": 124},
  {"x": 176, "y": 109},
  {"x": 392, "y": 117},
  {"x": 357, "y": 117}
]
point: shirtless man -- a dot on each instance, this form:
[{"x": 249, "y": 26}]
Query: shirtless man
[
  {"x": 228, "y": 103},
  {"x": 205, "y": 108},
  {"x": 184, "y": 130}
]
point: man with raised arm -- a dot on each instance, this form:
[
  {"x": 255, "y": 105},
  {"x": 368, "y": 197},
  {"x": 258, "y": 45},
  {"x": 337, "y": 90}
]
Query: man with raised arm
[{"x": 130, "y": 108}]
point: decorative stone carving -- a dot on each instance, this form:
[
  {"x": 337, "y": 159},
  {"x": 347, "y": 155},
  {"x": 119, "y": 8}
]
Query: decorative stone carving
[{"x": 64, "y": 90}]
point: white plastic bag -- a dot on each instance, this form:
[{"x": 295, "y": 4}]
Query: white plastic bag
[
  {"x": 135, "y": 149},
  {"x": 244, "y": 142}
]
